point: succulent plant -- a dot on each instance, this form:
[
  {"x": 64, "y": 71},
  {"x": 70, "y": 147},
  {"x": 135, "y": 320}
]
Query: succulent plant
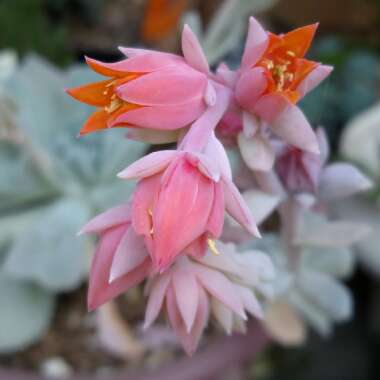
[{"x": 51, "y": 184}]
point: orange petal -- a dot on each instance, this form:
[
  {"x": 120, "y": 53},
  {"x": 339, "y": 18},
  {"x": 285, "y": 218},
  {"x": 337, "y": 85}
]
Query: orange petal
[
  {"x": 299, "y": 40},
  {"x": 102, "y": 69},
  {"x": 96, "y": 122},
  {"x": 292, "y": 96},
  {"x": 302, "y": 68},
  {"x": 161, "y": 18},
  {"x": 92, "y": 93}
]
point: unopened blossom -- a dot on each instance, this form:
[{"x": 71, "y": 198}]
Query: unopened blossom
[
  {"x": 121, "y": 260},
  {"x": 192, "y": 291},
  {"x": 181, "y": 198},
  {"x": 272, "y": 78},
  {"x": 305, "y": 172},
  {"x": 152, "y": 90}
]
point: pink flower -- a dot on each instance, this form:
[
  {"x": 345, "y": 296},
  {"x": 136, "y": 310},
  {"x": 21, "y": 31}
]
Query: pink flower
[
  {"x": 151, "y": 90},
  {"x": 273, "y": 77},
  {"x": 192, "y": 290},
  {"x": 121, "y": 260},
  {"x": 180, "y": 200}
]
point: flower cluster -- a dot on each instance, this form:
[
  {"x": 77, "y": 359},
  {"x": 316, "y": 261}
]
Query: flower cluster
[{"x": 168, "y": 232}]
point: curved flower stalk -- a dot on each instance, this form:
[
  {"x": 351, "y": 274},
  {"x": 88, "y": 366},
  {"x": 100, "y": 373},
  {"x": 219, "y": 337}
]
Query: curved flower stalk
[
  {"x": 180, "y": 200},
  {"x": 217, "y": 286},
  {"x": 272, "y": 78},
  {"x": 152, "y": 90}
]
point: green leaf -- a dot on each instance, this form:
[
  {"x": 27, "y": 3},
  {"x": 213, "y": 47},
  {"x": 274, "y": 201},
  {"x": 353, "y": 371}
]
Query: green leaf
[
  {"x": 49, "y": 252},
  {"x": 26, "y": 312}
]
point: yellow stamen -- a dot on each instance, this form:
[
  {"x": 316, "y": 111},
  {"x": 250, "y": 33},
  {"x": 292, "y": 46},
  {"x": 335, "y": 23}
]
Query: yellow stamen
[
  {"x": 212, "y": 246},
  {"x": 291, "y": 53},
  {"x": 150, "y": 213},
  {"x": 114, "y": 105}
]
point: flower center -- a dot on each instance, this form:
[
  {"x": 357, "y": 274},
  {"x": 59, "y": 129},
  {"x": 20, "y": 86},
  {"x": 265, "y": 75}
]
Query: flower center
[{"x": 280, "y": 70}]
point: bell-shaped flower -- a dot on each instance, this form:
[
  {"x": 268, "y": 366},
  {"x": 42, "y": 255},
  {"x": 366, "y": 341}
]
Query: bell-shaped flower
[
  {"x": 273, "y": 77},
  {"x": 180, "y": 200},
  {"x": 192, "y": 291},
  {"x": 121, "y": 260},
  {"x": 151, "y": 90}
]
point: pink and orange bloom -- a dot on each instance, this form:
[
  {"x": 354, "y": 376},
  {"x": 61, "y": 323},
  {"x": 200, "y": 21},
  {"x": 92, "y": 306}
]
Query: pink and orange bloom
[
  {"x": 272, "y": 78},
  {"x": 150, "y": 90},
  {"x": 168, "y": 232}
]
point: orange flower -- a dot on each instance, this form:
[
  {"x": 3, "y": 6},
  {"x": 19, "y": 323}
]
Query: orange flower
[{"x": 283, "y": 61}]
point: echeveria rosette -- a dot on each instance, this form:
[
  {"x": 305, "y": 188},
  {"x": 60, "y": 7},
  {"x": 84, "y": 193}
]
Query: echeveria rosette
[
  {"x": 181, "y": 198},
  {"x": 152, "y": 93},
  {"x": 272, "y": 78}
]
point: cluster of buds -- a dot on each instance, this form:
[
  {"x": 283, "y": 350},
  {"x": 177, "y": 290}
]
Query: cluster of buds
[{"x": 169, "y": 232}]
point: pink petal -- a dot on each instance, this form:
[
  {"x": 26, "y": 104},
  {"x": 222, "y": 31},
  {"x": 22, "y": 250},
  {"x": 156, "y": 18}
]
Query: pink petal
[
  {"x": 270, "y": 106},
  {"x": 293, "y": 127},
  {"x": 148, "y": 165},
  {"x": 256, "y": 44},
  {"x": 190, "y": 340},
  {"x": 198, "y": 247},
  {"x": 228, "y": 76},
  {"x": 157, "y": 294},
  {"x": 323, "y": 144},
  {"x": 216, "y": 219},
  {"x": 237, "y": 208},
  {"x": 142, "y": 202},
  {"x": 130, "y": 253},
  {"x": 144, "y": 63},
  {"x": 111, "y": 218},
  {"x": 250, "y": 302},
  {"x": 168, "y": 87},
  {"x": 100, "y": 291},
  {"x": 210, "y": 94},
  {"x": 257, "y": 152},
  {"x": 132, "y": 52},
  {"x": 163, "y": 117},
  {"x": 222, "y": 314},
  {"x": 314, "y": 79},
  {"x": 215, "y": 150},
  {"x": 192, "y": 51},
  {"x": 250, "y": 86},
  {"x": 251, "y": 124},
  {"x": 201, "y": 129},
  {"x": 221, "y": 288},
  {"x": 186, "y": 290},
  {"x": 181, "y": 212},
  {"x": 205, "y": 164}
]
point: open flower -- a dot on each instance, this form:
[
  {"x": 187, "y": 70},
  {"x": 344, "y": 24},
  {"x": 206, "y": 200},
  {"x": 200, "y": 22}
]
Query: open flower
[
  {"x": 152, "y": 90},
  {"x": 192, "y": 290},
  {"x": 180, "y": 201},
  {"x": 273, "y": 77},
  {"x": 121, "y": 260}
]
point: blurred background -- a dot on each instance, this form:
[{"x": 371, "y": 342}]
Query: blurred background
[{"x": 51, "y": 182}]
